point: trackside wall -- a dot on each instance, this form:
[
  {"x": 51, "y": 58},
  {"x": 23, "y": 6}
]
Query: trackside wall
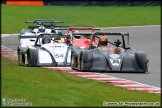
[
  {"x": 104, "y": 3},
  {"x": 84, "y": 2}
]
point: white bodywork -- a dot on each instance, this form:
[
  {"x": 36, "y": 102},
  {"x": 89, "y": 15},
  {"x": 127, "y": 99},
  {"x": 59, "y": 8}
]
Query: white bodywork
[
  {"x": 58, "y": 51},
  {"x": 30, "y": 41}
]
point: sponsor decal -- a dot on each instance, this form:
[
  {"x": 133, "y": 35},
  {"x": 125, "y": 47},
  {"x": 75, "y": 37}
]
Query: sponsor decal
[
  {"x": 105, "y": 48},
  {"x": 114, "y": 55},
  {"x": 59, "y": 55},
  {"x": 57, "y": 46},
  {"x": 115, "y": 62}
]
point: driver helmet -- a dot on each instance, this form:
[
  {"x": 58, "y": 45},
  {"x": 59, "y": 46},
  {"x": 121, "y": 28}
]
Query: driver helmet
[
  {"x": 103, "y": 41},
  {"x": 41, "y": 28},
  {"x": 39, "y": 24},
  {"x": 46, "y": 39},
  {"x": 89, "y": 37}
]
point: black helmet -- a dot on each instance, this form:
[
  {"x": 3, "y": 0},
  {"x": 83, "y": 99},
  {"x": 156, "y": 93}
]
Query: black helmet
[
  {"x": 103, "y": 40},
  {"x": 46, "y": 39},
  {"x": 41, "y": 28},
  {"x": 39, "y": 24}
]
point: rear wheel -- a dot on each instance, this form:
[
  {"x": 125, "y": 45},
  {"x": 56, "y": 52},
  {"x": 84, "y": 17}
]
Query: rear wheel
[
  {"x": 21, "y": 59},
  {"x": 73, "y": 63},
  {"x": 28, "y": 60},
  {"x": 80, "y": 63}
]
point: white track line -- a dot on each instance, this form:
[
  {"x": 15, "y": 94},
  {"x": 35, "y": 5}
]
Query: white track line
[
  {"x": 6, "y": 35},
  {"x": 131, "y": 26}
]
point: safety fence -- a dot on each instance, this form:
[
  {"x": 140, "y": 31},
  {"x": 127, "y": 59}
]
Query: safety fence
[{"x": 84, "y": 2}]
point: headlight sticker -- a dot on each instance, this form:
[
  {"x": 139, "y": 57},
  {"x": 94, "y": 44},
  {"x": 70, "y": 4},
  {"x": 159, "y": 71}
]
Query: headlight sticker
[{"x": 114, "y": 56}]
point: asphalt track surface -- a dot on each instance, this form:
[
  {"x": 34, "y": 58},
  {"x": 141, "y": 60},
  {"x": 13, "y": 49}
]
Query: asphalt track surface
[{"x": 142, "y": 38}]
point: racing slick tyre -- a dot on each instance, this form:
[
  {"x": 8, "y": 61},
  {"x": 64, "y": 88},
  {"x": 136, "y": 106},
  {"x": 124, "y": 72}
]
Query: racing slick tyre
[
  {"x": 142, "y": 60},
  {"x": 81, "y": 62},
  {"x": 21, "y": 59},
  {"x": 73, "y": 63},
  {"x": 29, "y": 60},
  {"x": 85, "y": 61},
  {"x": 32, "y": 57}
]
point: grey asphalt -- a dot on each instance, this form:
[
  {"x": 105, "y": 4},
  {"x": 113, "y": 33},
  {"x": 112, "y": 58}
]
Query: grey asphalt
[{"x": 144, "y": 38}]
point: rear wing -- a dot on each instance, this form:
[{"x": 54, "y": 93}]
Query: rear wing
[
  {"x": 51, "y": 27},
  {"x": 44, "y": 21},
  {"x": 102, "y": 33},
  {"x": 83, "y": 33},
  {"x": 78, "y": 28}
]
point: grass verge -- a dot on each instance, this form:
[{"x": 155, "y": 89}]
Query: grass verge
[
  {"x": 14, "y": 17},
  {"x": 45, "y": 87}
]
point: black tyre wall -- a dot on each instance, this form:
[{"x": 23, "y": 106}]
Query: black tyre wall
[
  {"x": 141, "y": 60},
  {"x": 87, "y": 59},
  {"x": 34, "y": 56}
]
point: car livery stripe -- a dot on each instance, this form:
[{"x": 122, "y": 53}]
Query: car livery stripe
[{"x": 128, "y": 84}]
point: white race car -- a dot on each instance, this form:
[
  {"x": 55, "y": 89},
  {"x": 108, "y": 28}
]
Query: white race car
[
  {"x": 48, "y": 50},
  {"x": 39, "y": 26}
]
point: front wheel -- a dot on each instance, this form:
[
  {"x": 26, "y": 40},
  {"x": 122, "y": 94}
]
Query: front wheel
[
  {"x": 142, "y": 61},
  {"x": 21, "y": 59}
]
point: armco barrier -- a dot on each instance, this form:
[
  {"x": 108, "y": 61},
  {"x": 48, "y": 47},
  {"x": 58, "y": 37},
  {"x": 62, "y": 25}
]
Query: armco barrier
[
  {"x": 84, "y": 2},
  {"x": 103, "y": 2}
]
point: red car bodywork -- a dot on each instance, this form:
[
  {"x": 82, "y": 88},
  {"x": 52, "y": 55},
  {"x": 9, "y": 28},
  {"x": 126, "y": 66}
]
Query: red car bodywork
[{"x": 82, "y": 42}]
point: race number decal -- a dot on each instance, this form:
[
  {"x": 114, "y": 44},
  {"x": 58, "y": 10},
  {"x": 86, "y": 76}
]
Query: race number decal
[
  {"x": 115, "y": 62},
  {"x": 59, "y": 55}
]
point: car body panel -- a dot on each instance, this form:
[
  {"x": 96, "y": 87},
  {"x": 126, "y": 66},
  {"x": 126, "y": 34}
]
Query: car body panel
[
  {"x": 49, "y": 25},
  {"x": 109, "y": 58},
  {"x": 48, "y": 54}
]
